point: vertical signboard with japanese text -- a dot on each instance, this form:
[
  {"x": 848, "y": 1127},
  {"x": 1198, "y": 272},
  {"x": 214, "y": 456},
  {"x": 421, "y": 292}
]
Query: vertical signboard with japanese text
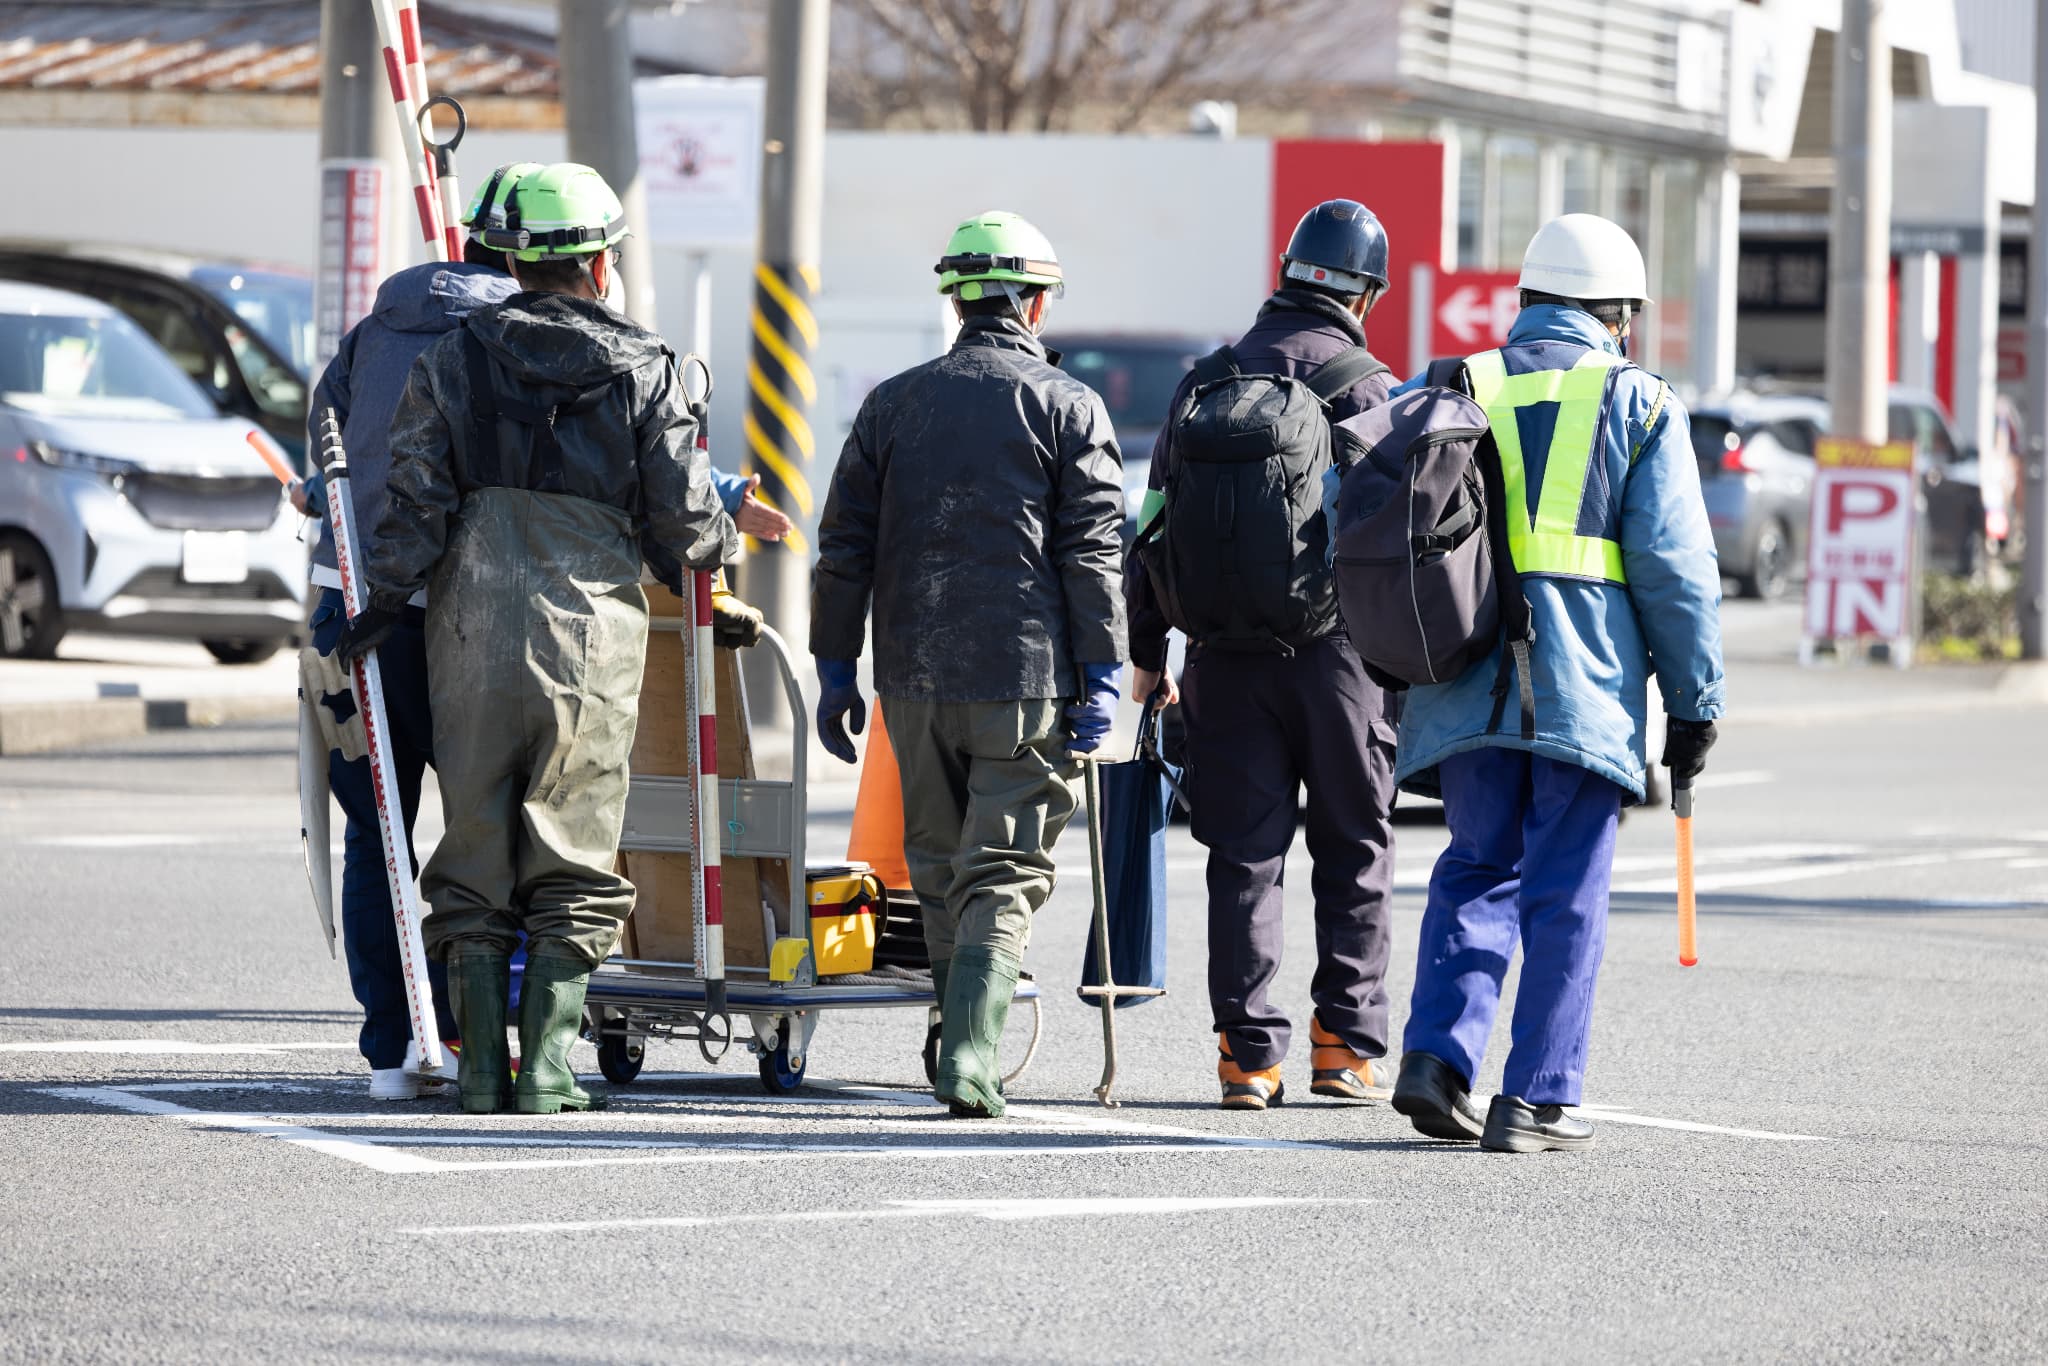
[
  {"x": 1859, "y": 580},
  {"x": 352, "y": 215}
]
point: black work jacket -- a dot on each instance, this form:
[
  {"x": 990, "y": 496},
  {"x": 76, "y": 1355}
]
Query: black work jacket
[
  {"x": 1296, "y": 331},
  {"x": 978, "y": 502}
]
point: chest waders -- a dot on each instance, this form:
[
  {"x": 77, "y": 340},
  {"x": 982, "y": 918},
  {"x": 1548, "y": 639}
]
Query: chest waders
[
  {"x": 1549, "y": 542},
  {"x": 536, "y": 637}
]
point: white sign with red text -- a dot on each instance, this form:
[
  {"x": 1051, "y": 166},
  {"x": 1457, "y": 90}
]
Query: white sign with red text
[{"x": 1859, "y": 581}]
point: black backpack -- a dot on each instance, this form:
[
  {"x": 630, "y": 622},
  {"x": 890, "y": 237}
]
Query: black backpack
[
  {"x": 1423, "y": 573},
  {"x": 1239, "y": 554}
]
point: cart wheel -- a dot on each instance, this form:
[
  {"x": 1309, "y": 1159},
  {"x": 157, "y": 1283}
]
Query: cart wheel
[
  {"x": 620, "y": 1057},
  {"x": 778, "y": 1078},
  {"x": 931, "y": 1053}
]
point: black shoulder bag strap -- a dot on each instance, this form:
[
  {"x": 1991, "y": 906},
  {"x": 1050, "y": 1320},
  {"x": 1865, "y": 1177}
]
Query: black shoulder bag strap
[
  {"x": 1516, "y": 632},
  {"x": 1337, "y": 376},
  {"x": 1448, "y": 373}
]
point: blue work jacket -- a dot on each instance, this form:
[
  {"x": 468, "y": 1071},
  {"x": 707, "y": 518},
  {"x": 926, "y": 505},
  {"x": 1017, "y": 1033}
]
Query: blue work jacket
[{"x": 1597, "y": 642}]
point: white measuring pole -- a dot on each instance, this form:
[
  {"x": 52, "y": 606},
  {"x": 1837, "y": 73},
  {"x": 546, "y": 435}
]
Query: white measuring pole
[
  {"x": 369, "y": 690},
  {"x": 406, "y": 99}
]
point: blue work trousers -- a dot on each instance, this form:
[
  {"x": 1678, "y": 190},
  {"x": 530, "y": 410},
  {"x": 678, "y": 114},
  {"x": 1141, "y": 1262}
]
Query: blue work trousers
[
  {"x": 368, "y": 929},
  {"x": 1530, "y": 859}
]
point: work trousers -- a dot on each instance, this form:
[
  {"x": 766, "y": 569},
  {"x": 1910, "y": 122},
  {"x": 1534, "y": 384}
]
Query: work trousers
[
  {"x": 987, "y": 789},
  {"x": 369, "y": 932},
  {"x": 536, "y": 639},
  {"x": 1530, "y": 859},
  {"x": 1260, "y": 727}
]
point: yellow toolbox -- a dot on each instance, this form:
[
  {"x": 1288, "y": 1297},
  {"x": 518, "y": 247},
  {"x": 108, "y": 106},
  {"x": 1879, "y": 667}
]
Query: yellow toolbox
[{"x": 847, "y": 902}]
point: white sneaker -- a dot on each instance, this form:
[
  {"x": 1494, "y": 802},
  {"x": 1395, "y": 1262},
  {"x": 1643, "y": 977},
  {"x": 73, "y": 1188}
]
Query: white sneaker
[
  {"x": 393, "y": 1083},
  {"x": 434, "y": 1077}
]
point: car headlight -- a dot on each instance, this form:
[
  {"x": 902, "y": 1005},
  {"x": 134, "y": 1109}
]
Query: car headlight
[{"x": 105, "y": 466}]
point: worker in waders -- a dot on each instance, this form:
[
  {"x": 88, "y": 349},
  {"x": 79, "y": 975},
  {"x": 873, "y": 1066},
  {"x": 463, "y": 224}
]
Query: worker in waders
[
  {"x": 540, "y": 452},
  {"x": 361, "y": 385},
  {"x": 977, "y": 503},
  {"x": 1276, "y": 698},
  {"x": 1609, "y": 535}
]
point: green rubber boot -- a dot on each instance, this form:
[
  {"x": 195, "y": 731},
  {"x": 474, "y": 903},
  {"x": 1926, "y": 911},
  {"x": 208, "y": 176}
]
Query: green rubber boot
[
  {"x": 550, "y": 1018},
  {"x": 979, "y": 985},
  {"x": 480, "y": 984}
]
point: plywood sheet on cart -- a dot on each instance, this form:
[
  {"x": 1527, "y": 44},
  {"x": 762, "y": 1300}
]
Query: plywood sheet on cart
[{"x": 661, "y": 926}]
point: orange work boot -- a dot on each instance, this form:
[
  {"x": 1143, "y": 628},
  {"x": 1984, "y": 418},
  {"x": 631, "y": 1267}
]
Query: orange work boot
[
  {"x": 1343, "y": 1074},
  {"x": 1243, "y": 1090}
]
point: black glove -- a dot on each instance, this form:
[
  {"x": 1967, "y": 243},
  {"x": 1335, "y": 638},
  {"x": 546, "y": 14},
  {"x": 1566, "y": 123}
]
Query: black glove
[
  {"x": 1685, "y": 748},
  {"x": 734, "y": 625},
  {"x": 365, "y": 631}
]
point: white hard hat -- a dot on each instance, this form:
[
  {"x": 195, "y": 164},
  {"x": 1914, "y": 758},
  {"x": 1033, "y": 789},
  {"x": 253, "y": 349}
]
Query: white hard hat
[{"x": 1585, "y": 256}]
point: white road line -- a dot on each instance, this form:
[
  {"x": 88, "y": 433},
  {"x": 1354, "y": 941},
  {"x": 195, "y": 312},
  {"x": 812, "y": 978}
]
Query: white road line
[
  {"x": 1003, "y": 1210},
  {"x": 1764, "y": 877},
  {"x": 315, "y": 1140},
  {"x": 160, "y": 1046},
  {"x": 112, "y": 841},
  {"x": 2022, "y": 864},
  {"x": 1602, "y": 1112},
  {"x": 1742, "y": 853}
]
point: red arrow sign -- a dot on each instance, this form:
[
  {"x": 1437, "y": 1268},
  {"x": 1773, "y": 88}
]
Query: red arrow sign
[{"x": 1473, "y": 312}]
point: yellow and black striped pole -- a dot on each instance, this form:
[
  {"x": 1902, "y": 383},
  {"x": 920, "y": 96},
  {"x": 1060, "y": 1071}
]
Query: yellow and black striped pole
[
  {"x": 782, "y": 388},
  {"x": 781, "y": 391}
]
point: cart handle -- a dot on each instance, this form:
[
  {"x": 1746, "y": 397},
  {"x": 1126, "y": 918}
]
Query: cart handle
[{"x": 799, "y": 778}]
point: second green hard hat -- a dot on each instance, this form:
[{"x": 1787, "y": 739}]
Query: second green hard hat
[{"x": 996, "y": 248}]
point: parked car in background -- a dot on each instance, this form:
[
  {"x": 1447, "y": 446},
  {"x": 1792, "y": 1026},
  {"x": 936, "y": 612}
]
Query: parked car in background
[
  {"x": 128, "y": 503},
  {"x": 243, "y": 333},
  {"x": 1756, "y": 462},
  {"x": 1136, "y": 374}
]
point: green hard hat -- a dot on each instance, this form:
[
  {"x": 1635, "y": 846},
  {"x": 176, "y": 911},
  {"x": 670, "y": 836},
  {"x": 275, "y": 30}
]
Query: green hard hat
[
  {"x": 559, "y": 210},
  {"x": 997, "y": 248},
  {"x": 488, "y": 203}
]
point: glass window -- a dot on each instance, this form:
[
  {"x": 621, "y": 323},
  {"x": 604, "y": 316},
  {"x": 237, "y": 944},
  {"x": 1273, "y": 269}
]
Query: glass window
[
  {"x": 1674, "y": 269},
  {"x": 1581, "y": 179},
  {"x": 1136, "y": 382},
  {"x": 1931, "y": 436},
  {"x": 1632, "y": 196},
  {"x": 1516, "y": 200},
  {"x": 278, "y": 306},
  {"x": 1796, "y": 437},
  {"x": 91, "y": 367},
  {"x": 1471, "y": 196}
]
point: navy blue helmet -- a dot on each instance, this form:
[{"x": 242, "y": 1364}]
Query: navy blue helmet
[{"x": 1338, "y": 245}]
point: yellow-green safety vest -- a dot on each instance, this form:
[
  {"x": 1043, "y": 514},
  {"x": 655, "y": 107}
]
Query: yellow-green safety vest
[{"x": 1550, "y": 543}]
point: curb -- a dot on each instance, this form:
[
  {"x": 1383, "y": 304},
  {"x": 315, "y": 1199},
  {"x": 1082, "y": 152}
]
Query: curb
[{"x": 47, "y": 727}]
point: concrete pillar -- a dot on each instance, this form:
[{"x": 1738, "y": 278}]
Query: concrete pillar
[
  {"x": 1718, "y": 252},
  {"x": 596, "y": 52},
  {"x": 1919, "y": 317}
]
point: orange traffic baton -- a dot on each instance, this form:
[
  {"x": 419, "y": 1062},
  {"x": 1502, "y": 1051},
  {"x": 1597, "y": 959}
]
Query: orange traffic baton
[{"x": 1688, "y": 926}]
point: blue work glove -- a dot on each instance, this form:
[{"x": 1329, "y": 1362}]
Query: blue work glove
[
  {"x": 314, "y": 488},
  {"x": 1090, "y": 718},
  {"x": 839, "y": 694}
]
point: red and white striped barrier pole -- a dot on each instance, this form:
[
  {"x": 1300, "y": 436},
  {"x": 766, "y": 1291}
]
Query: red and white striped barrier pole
[
  {"x": 368, "y": 680},
  {"x": 406, "y": 104},
  {"x": 707, "y": 895}
]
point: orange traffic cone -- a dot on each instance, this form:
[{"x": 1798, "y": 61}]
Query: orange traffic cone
[{"x": 877, "y": 838}]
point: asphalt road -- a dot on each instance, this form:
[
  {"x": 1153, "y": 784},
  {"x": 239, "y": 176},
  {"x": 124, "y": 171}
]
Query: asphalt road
[{"x": 1814, "y": 1146}]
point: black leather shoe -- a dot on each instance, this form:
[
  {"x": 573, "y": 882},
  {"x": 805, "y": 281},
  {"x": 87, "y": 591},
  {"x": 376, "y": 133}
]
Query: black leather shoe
[
  {"x": 1435, "y": 1098},
  {"x": 1513, "y": 1125}
]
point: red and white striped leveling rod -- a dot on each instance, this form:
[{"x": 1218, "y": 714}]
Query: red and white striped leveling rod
[
  {"x": 369, "y": 689},
  {"x": 405, "y": 71},
  {"x": 707, "y": 890}
]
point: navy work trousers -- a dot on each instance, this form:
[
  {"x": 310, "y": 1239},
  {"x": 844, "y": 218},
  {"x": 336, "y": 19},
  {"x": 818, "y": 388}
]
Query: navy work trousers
[
  {"x": 1530, "y": 859},
  {"x": 1260, "y": 727},
  {"x": 368, "y": 930}
]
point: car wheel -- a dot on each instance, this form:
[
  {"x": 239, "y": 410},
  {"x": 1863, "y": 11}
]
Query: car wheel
[
  {"x": 1770, "y": 565},
  {"x": 31, "y": 622},
  {"x": 242, "y": 651}
]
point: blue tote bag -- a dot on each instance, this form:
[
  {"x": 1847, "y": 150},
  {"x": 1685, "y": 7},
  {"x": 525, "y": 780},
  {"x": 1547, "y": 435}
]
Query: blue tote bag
[{"x": 1137, "y": 796}]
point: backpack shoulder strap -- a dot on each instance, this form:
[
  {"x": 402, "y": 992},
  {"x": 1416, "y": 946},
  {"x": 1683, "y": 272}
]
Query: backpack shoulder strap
[
  {"x": 1516, "y": 632},
  {"x": 1342, "y": 372},
  {"x": 1218, "y": 364},
  {"x": 1448, "y": 372}
]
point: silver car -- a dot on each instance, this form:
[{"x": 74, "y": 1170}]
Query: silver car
[{"x": 127, "y": 503}]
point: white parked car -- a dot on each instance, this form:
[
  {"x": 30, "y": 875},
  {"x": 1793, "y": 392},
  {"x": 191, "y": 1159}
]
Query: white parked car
[{"x": 127, "y": 502}]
